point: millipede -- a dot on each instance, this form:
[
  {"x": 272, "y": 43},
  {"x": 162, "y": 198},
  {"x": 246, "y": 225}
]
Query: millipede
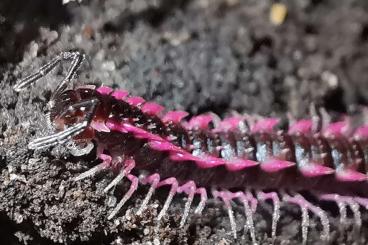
[{"x": 239, "y": 160}]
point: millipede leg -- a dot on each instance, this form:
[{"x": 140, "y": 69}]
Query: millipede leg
[
  {"x": 57, "y": 138},
  {"x": 273, "y": 196},
  {"x": 189, "y": 188},
  {"x": 76, "y": 61},
  {"x": 362, "y": 201},
  {"x": 252, "y": 200},
  {"x": 305, "y": 215},
  {"x": 305, "y": 206},
  {"x": 77, "y": 151},
  {"x": 342, "y": 211},
  {"x": 226, "y": 198},
  {"x": 174, "y": 186},
  {"x": 202, "y": 203},
  {"x": 106, "y": 161},
  {"x": 115, "y": 181},
  {"x": 250, "y": 206},
  {"x": 132, "y": 189},
  {"x": 90, "y": 172},
  {"x": 343, "y": 201},
  {"x": 246, "y": 199},
  {"x": 153, "y": 179},
  {"x": 305, "y": 223},
  {"x": 357, "y": 215},
  {"x": 230, "y": 213},
  {"x": 129, "y": 165},
  {"x": 356, "y": 212}
]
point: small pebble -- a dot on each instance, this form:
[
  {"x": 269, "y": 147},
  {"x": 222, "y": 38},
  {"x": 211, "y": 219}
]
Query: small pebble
[
  {"x": 109, "y": 66},
  {"x": 156, "y": 241},
  {"x": 278, "y": 13}
]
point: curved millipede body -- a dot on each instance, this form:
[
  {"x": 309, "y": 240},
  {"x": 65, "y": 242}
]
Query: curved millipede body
[{"x": 245, "y": 159}]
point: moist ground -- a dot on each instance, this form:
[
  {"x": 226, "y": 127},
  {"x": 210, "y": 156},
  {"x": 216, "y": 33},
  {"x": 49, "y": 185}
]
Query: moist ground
[{"x": 219, "y": 56}]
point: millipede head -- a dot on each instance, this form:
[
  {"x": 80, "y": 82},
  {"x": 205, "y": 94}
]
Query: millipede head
[
  {"x": 71, "y": 108},
  {"x": 62, "y": 113},
  {"x": 70, "y": 114}
]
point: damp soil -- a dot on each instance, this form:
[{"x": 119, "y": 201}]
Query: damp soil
[{"x": 206, "y": 55}]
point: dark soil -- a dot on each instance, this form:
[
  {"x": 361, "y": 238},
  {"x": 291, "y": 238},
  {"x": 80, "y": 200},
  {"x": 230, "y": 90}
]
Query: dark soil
[{"x": 205, "y": 55}]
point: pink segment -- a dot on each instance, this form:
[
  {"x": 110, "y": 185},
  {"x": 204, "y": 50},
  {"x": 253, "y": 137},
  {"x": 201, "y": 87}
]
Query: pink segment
[
  {"x": 315, "y": 170},
  {"x": 119, "y": 94},
  {"x": 128, "y": 128},
  {"x": 248, "y": 197},
  {"x": 129, "y": 164},
  {"x": 329, "y": 197},
  {"x": 100, "y": 126},
  {"x": 178, "y": 154},
  {"x": 274, "y": 165},
  {"x": 226, "y": 196},
  {"x": 106, "y": 159},
  {"x": 169, "y": 181},
  {"x": 133, "y": 185},
  {"x": 240, "y": 164},
  {"x": 152, "y": 108},
  {"x": 156, "y": 142},
  {"x": 182, "y": 156},
  {"x": 174, "y": 116},
  {"x": 362, "y": 201},
  {"x": 336, "y": 198},
  {"x": 187, "y": 187},
  {"x": 270, "y": 195},
  {"x": 361, "y": 133},
  {"x": 337, "y": 129},
  {"x": 135, "y": 100},
  {"x": 200, "y": 121},
  {"x": 141, "y": 133},
  {"x": 303, "y": 127},
  {"x": 206, "y": 161},
  {"x": 116, "y": 126},
  {"x": 350, "y": 175},
  {"x": 154, "y": 178},
  {"x": 229, "y": 124},
  {"x": 203, "y": 161},
  {"x": 104, "y": 90},
  {"x": 265, "y": 125},
  {"x": 164, "y": 146}
]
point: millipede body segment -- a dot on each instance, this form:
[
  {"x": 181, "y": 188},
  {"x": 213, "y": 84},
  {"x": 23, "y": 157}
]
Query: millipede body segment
[{"x": 246, "y": 159}]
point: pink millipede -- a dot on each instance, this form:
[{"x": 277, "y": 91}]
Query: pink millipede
[{"x": 241, "y": 158}]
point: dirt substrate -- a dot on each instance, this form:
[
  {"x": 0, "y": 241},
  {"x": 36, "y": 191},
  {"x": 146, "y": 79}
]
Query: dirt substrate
[{"x": 205, "y": 55}]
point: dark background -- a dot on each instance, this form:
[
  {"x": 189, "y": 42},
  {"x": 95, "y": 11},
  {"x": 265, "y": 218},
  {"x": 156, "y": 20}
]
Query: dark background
[{"x": 199, "y": 56}]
